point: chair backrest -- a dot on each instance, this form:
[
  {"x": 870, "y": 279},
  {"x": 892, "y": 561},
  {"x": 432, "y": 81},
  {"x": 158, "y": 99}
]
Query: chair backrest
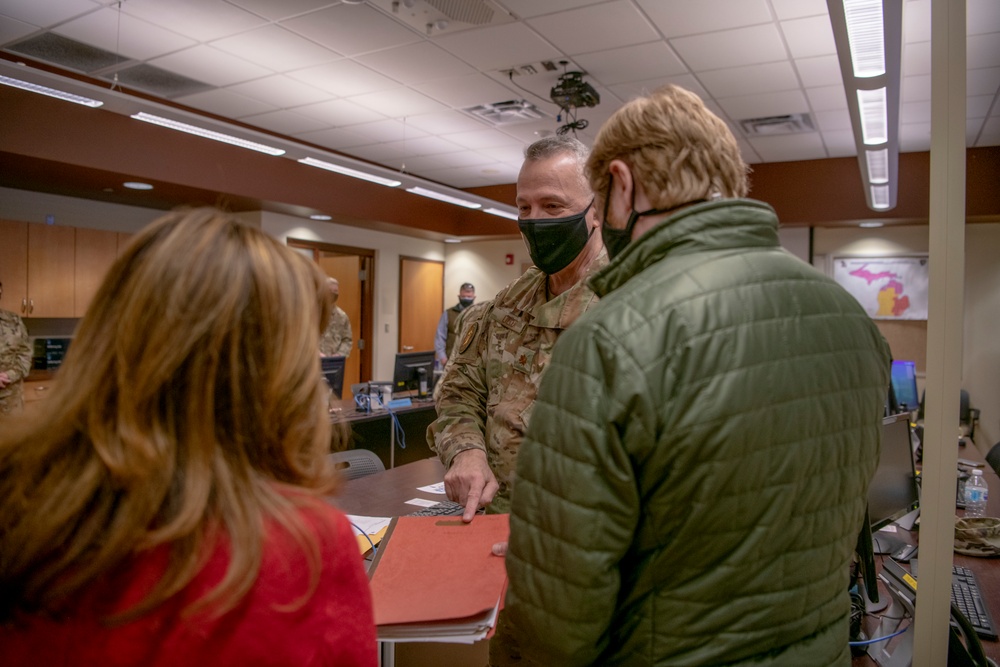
[
  {"x": 993, "y": 458},
  {"x": 355, "y": 463}
]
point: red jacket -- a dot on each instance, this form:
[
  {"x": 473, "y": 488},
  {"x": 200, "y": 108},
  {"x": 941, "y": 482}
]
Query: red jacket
[{"x": 334, "y": 627}]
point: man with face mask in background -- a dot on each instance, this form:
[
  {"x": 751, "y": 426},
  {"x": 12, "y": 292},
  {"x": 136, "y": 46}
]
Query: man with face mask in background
[
  {"x": 337, "y": 339},
  {"x": 489, "y": 386},
  {"x": 447, "y": 329}
]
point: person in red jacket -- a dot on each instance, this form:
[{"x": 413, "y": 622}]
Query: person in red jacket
[{"x": 169, "y": 506}]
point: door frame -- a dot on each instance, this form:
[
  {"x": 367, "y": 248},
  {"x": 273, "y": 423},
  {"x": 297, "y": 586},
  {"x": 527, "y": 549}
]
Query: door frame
[
  {"x": 366, "y": 328},
  {"x": 423, "y": 260}
]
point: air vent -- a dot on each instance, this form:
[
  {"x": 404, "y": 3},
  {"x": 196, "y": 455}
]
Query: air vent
[
  {"x": 796, "y": 123},
  {"x": 439, "y": 17},
  {"x": 467, "y": 11},
  {"x": 68, "y": 53},
  {"x": 507, "y": 113},
  {"x": 157, "y": 81}
]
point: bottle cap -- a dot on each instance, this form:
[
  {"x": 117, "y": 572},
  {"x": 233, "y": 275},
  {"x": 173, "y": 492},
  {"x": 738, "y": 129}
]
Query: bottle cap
[{"x": 977, "y": 471}]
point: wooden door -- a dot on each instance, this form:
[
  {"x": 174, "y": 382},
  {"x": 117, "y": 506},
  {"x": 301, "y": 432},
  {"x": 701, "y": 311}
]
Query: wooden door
[
  {"x": 347, "y": 270},
  {"x": 14, "y": 266},
  {"x": 421, "y": 302},
  {"x": 51, "y": 261},
  {"x": 96, "y": 251}
]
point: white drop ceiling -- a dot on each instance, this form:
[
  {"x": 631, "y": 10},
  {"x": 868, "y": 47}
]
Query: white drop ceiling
[{"x": 374, "y": 82}]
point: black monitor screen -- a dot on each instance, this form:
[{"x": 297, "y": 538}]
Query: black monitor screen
[
  {"x": 893, "y": 490},
  {"x": 904, "y": 384},
  {"x": 333, "y": 372},
  {"x": 406, "y": 375}
]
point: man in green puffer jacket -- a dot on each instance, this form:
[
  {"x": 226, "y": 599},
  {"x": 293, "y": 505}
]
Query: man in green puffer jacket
[{"x": 693, "y": 479}]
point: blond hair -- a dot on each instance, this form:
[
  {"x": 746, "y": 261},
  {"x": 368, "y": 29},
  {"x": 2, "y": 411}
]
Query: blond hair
[
  {"x": 678, "y": 149},
  {"x": 189, "y": 407}
]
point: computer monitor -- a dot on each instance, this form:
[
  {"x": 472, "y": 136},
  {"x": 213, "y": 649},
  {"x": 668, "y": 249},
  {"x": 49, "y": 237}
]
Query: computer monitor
[
  {"x": 407, "y": 376},
  {"x": 904, "y": 385},
  {"x": 333, "y": 372},
  {"x": 866, "y": 579},
  {"x": 893, "y": 492}
]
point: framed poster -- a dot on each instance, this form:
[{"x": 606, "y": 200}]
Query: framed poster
[{"x": 889, "y": 288}]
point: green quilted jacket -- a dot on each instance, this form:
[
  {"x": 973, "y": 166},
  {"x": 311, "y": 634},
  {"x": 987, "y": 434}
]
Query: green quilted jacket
[{"x": 694, "y": 475}]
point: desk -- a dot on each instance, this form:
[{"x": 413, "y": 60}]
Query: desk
[
  {"x": 372, "y": 430},
  {"x": 987, "y": 570},
  {"x": 385, "y": 494}
]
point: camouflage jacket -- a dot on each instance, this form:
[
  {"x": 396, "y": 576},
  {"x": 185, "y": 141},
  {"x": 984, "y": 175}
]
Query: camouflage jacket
[
  {"x": 485, "y": 397},
  {"x": 15, "y": 360},
  {"x": 337, "y": 339}
]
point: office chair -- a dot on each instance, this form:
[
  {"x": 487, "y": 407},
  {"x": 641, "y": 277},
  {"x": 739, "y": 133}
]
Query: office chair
[
  {"x": 355, "y": 463},
  {"x": 993, "y": 458},
  {"x": 967, "y": 416}
]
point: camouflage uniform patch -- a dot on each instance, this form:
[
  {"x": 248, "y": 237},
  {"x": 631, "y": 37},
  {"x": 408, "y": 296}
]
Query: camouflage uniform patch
[
  {"x": 489, "y": 387},
  {"x": 15, "y": 360},
  {"x": 337, "y": 339}
]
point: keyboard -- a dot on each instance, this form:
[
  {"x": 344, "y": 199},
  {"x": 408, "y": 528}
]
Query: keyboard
[
  {"x": 443, "y": 508},
  {"x": 968, "y": 598}
]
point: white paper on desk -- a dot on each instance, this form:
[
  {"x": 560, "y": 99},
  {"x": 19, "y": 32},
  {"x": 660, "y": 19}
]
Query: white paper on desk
[
  {"x": 433, "y": 488},
  {"x": 421, "y": 502},
  {"x": 370, "y": 525}
]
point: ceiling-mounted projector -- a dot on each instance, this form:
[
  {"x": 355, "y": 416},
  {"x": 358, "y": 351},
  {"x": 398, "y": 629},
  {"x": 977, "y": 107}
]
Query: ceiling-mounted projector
[{"x": 573, "y": 91}]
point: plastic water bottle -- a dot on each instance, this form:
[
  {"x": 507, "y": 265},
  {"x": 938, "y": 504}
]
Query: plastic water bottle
[{"x": 976, "y": 494}]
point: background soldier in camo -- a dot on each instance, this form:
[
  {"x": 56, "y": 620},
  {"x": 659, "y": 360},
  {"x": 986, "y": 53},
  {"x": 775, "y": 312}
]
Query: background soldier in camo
[
  {"x": 15, "y": 361},
  {"x": 485, "y": 397},
  {"x": 337, "y": 339}
]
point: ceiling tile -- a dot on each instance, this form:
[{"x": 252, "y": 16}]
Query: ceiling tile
[
  {"x": 631, "y": 63},
  {"x": 398, "y": 102},
  {"x": 917, "y": 21},
  {"x": 201, "y": 20},
  {"x": 204, "y": 63},
  {"x": 423, "y": 146},
  {"x": 915, "y": 112},
  {"x": 445, "y": 122},
  {"x": 225, "y": 102},
  {"x": 675, "y": 19},
  {"x": 982, "y": 16},
  {"x": 335, "y": 138},
  {"x": 764, "y": 105},
  {"x": 984, "y": 81},
  {"x": 132, "y": 37},
  {"x": 285, "y": 50},
  {"x": 276, "y": 11},
  {"x": 482, "y": 139},
  {"x": 595, "y": 28},
  {"x": 343, "y": 78},
  {"x": 339, "y": 113},
  {"x": 983, "y": 50},
  {"x": 467, "y": 91},
  {"x": 416, "y": 63},
  {"x": 12, "y": 29},
  {"x": 789, "y": 147},
  {"x": 826, "y": 98},
  {"x": 499, "y": 47},
  {"x": 820, "y": 71},
  {"x": 978, "y": 106},
  {"x": 387, "y": 130},
  {"x": 528, "y": 8},
  {"x": 285, "y": 122},
  {"x": 794, "y": 9},
  {"x": 840, "y": 143},
  {"x": 280, "y": 91},
  {"x": 832, "y": 120},
  {"x": 732, "y": 82},
  {"x": 989, "y": 135},
  {"x": 915, "y": 88},
  {"x": 45, "y": 14},
  {"x": 630, "y": 91},
  {"x": 916, "y": 59},
  {"x": 809, "y": 37},
  {"x": 748, "y": 153},
  {"x": 914, "y": 137},
  {"x": 973, "y": 127},
  {"x": 731, "y": 48},
  {"x": 352, "y": 29}
]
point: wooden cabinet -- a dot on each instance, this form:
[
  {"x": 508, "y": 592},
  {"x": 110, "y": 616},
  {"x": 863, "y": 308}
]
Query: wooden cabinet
[
  {"x": 54, "y": 271},
  {"x": 96, "y": 251}
]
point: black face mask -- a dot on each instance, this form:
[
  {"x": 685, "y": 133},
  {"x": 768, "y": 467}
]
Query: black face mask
[
  {"x": 465, "y": 302},
  {"x": 555, "y": 242},
  {"x": 616, "y": 240}
]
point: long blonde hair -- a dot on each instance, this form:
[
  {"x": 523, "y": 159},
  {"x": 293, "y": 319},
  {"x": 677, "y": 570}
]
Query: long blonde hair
[{"x": 189, "y": 408}]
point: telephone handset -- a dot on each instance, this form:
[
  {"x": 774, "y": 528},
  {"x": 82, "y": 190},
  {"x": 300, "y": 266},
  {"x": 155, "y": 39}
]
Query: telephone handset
[{"x": 964, "y": 647}]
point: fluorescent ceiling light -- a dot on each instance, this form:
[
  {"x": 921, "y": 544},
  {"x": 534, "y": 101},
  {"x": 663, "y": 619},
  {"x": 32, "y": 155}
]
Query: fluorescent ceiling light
[
  {"x": 453, "y": 240},
  {"x": 502, "y": 213},
  {"x": 878, "y": 166},
  {"x": 347, "y": 171},
  {"x": 424, "y": 192},
  {"x": 320, "y": 216},
  {"x": 866, "y": 36},
  {"x": 137, "y": 185},
  {"x": 874, "y": 116},
  {"x": 207, "y": 134},
  {"x": 869, "y": 224},
  {"x": 51, "y": 92},
  {"x": 880, "y": 196}
]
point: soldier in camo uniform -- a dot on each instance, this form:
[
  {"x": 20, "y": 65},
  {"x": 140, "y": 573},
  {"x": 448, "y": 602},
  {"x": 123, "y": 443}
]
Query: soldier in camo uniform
[
  {"x": 337, "y": 339},
  {"x": 15, "y": 361},
  {"x": 489, "y": 385}
]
